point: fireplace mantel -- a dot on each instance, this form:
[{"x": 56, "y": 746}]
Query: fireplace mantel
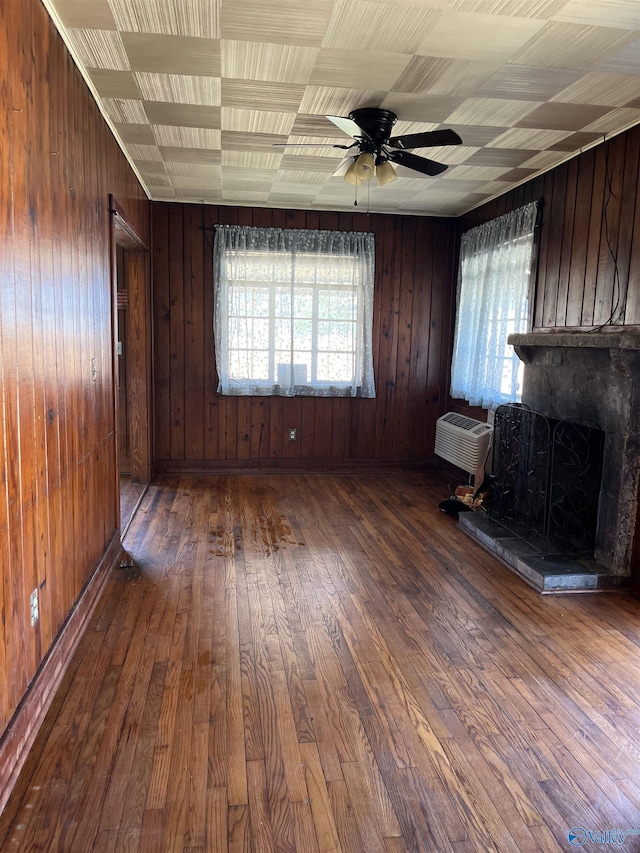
[{"x": 619, "y": 340}]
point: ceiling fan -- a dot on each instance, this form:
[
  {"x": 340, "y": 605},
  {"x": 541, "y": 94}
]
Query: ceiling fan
[{"x": 370, "y": 128}]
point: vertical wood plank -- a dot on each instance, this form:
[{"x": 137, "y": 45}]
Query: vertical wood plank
[
  {"x": 194, "y": 353},
  {"x": 176, "y": 331}
]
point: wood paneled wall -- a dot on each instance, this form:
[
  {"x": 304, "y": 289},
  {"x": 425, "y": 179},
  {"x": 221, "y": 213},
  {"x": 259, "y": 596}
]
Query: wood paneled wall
[
  {"x": 196, "y": 428},
  {"x": 58, "y": 506},
  {"x": 589, "y": 263}
]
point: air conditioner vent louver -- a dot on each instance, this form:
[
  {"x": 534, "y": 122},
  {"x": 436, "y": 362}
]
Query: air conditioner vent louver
[{"x": 462, "y": 441}]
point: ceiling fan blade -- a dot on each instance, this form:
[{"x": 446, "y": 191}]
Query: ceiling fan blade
[
  {"x": 418, "y": 164},
  {"x": 343, "y": 168},
  {"x": 426, "y": 140},
  {"x": 348, "y": 126},
  {"x": 311, "y": 145}
]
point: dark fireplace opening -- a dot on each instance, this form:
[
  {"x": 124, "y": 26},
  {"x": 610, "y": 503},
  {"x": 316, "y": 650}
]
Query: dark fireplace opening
[
  {"x": 582, "y": 378},
  {"x": 546, "y": 480}
]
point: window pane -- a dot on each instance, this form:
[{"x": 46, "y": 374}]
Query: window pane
[
  {"x": 283, "y": 334},
  {"x": 244, "y": 301},
  {"x": 249, "y": 364},
  {"x": 248, "y": 332},
  {"x": 335, "y": 367},
  {"x": 341, "y": 336},
  {"x": 343, "y": 305},
  {"x": 303, "y": 302},
  {"x": 303, "y": 334},
  {"x": 283, "y": 302}
]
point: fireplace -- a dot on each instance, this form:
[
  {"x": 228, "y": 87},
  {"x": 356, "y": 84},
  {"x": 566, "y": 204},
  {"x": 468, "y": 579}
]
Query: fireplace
[{"x": 590, "y": 377}]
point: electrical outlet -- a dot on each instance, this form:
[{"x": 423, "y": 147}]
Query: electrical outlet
[
  {"x": 293, "y": 434},
  {"x": 33, "y": 604}
]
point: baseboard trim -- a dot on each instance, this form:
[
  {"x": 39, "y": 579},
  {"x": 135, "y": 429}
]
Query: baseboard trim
[
  {"x": 21, "y": 732},
  {"x": 292, "y": 466}
]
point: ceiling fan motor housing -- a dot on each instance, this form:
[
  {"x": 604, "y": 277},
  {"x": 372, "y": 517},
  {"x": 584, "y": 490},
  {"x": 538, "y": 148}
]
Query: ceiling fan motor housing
[{"x": 376, "y": 123}]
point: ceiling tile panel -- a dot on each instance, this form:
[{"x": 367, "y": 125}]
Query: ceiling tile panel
[
  {"x": 252, "y": 159},
  {"x": 575, "y": 141},
  {"x": 100, "y": 49},
  {"x": 474, "y": 173},
  {"x": 371, "y": 26},
  {"x": 191, "y": 155},
  {"x": 614, "y": 122},
  {"x": 552, "y": 116},
  {"x": 145, "y": 152},
  {"x": 624, "y": 14},
  {"x": 614, "y": 90},
  {"x": 358, "y": 69},
  {"x": 335, "y": 101},
  {"x": 468, "y": 35},
  {"x": 123, "y": 110},
  {"x": 423, "y": 108},
  {"x": 257, "y": 121},
  {"x": 492, "y": 111},
  {"x": 261, "y": 95},
  {"x": 95, "y": 15},
  {"x": 626, "y": 60},
  {"x": 499, "y": 157},
  {"x": 186, "y": 115},
  {"x": 325, "y": 165},
  {"x": 307, "y": 177},
  {"x": 525, "y": 137},
  {"x": 194, "y": 170},
  {"x": 198, "y": 18},
  {"x": 115, "y": 84},
  {"x": 276, "y": 21},
  {"x": 441, "y": 76},
  {"x": 513, "y": 8},
  {"x": 186, "y": 137},
  {"x": 277, "y": 63},
  {"x": 527, "y": 82},
  {"x": 544, "y": 160},
  {"x": 141, "y": 134},
  {"x": 179, "y": 88},
  {"x": 172, "y": 54},
  {"x": 208, "y": 194},
  {"x": 239, "y": 141},
  {"x": 560, "y": 45}
]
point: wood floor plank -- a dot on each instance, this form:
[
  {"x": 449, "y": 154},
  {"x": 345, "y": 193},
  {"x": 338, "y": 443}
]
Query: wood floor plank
[{"x": 327, "y": 663}]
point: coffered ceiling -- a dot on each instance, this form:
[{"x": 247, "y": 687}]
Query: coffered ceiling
[{"x": 197, "y": 91}]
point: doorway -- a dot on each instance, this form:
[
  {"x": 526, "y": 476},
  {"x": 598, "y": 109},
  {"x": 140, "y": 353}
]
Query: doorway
[{"x": 132, "y": 364}]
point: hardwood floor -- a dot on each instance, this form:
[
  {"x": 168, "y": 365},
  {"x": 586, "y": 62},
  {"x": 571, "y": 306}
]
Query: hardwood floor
[
  {"x": 130, "y": 497},
  {"x": 326, "y": 663}
]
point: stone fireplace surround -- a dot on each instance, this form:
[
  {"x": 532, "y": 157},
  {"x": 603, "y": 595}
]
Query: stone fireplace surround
[{"x": 581, "y": 375}]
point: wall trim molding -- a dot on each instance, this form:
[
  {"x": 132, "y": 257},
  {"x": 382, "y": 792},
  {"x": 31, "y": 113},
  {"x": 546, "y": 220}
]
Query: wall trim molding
[
  {"x": 21, "y": 732},
  {"x": 292, "y": 466}
]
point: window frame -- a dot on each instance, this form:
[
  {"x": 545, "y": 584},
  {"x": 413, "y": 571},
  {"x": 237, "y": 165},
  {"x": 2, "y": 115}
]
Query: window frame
[{"x": 352, "y": 267}]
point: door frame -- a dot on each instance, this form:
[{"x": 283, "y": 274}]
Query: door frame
[{"x": 137, "y": 272}]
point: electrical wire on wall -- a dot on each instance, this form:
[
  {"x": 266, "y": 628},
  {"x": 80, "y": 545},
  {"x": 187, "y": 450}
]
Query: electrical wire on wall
[{"x": 616, "y": 296}]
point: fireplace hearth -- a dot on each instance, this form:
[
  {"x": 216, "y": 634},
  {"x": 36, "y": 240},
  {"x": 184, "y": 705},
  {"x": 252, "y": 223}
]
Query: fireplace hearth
[{"x": 583, "y": 377}]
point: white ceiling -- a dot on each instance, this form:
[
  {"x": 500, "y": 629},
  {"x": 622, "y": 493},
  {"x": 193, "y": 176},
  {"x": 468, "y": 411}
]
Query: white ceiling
[{"x": 197, "y": 91}]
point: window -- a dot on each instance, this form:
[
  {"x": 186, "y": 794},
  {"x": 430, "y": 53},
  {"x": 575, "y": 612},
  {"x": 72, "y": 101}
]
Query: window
[
  {"x": 493, "y": 302},
  {"x": 293, "y": 312}
]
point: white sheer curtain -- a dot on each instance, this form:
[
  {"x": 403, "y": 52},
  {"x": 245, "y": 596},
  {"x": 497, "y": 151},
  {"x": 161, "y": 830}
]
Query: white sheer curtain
[
  {"x": 492, "y": 302},
  {"x": 293, "y": 312}
]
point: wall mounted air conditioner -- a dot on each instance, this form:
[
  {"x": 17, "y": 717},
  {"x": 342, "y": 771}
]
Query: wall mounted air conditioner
[{"x": 464, "y": 442}]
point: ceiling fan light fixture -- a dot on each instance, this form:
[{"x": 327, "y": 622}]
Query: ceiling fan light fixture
[
  {"x": 350, "y": 175},
  {"x": 385, "y": 173},
  {"x": 364, "y": 166}
]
